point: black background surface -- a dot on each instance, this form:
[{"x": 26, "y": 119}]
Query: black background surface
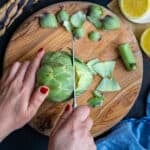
[{"x": 27, "y": 138}]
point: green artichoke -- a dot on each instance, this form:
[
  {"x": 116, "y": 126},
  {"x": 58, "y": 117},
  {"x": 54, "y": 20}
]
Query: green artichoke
[{"x": 56, "y": 72}]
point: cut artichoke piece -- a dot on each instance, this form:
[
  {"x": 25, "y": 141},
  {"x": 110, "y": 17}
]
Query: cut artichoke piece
[
  {"x": 95, "y": 11},
  {"x": 79, "y": 33},
  {"x": 96, "y": 22},
  {"x": 67, "y": 26},
  {"x": 94, "y": 36},
  {"x": 48, "y": 21},
  {"x": 56, "y": 72},
  {"x": 84, "y": 77},
  {"x": 90, "y": 65},
  {"x": 105, "y": 69},
  {"x": 108, "y": 85},
  {"x": 110, "y": 23},
  {"x": 62, "y": 16},
  {"x": 78, "y": 19},
  {"x": 96, "y": 101}
]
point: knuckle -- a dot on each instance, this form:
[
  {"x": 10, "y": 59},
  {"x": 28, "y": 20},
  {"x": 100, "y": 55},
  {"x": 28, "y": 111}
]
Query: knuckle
[
  {"x": 26, "y": 63},
  {"x": 24, "y": 90},
  {"x": 84, "y": 109},
  {"x": 74, "y": 134},
  {"x": 15, "y": 83},
  {"x": 17, "y": 63}
]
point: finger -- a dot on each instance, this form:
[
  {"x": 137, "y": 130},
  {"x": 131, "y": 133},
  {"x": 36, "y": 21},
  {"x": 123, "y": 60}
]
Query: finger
[
  {"x": 29, "y": 79},
  {"x": 22, "y": 70},
  {"x": 88, "y": 123},
  {"x": 91, "y": 143},
  {"x": 5, "y": 74},
  {"x": 80, "y": 114},
  {"x": 12, "y": 72},
  {"x": 65, "y": 115},
  {"x": 37, "y": 99}
]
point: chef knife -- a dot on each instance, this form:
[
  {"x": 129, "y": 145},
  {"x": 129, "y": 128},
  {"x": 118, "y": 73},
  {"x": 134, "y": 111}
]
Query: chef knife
[{"x": 74, "y": 105}]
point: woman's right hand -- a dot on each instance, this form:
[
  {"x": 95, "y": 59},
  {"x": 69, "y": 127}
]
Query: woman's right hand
[{"x": 72, "y": 131}]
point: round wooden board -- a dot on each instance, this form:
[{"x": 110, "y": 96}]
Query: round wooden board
[{"x": 30, "y": 37}]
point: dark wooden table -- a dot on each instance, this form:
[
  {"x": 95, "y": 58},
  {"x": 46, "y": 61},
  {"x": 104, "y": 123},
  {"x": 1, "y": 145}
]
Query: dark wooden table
[{"x": 27, "y": 138}]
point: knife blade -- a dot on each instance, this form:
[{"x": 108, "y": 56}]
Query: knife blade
[{"x": 74, "y": 105}]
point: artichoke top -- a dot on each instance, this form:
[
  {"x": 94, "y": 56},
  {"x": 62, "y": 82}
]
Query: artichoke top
[{"x": 56, "y": 72}]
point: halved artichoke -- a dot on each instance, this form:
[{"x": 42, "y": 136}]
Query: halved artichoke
[{"x": 56, "y": 72}]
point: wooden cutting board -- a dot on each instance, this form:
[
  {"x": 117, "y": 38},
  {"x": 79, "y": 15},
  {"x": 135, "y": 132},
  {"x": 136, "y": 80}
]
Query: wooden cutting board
[{"x": 30, "y": 37}]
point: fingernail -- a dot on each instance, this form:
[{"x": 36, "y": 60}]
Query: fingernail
[
  {"x": 40, "y": 50},
  {"x": 67, "y": 107},
  {"x": 43, "y": 90}
]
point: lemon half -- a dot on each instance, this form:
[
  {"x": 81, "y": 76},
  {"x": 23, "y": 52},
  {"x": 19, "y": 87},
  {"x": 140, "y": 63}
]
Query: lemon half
[
  {"x": 145, "y": 41},
  {"x": 136, "y": 10}
]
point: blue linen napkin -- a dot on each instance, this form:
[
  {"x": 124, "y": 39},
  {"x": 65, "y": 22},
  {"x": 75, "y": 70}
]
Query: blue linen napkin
[{"x": 129, "y": 134}]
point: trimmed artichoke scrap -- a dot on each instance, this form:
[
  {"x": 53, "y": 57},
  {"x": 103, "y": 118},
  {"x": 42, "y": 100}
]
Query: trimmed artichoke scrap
[
  {"x": 48, "y": 21},
  {"x": 56, "y": 72}
]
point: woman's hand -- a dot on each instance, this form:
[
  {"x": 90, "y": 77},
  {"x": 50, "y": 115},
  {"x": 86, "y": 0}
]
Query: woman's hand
[
  {"x": 72, "y": 131},
  {"x": 18, "y": 102}
]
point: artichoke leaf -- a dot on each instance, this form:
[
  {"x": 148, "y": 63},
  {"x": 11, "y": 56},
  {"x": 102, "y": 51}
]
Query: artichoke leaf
[
  {"x": 90, "y": 65},
  {"x": 108, "y": 85},
  {"x": 96, "y": 101},
  {"x": 78, "y": 32},
  {"x": 96, "y": 22},
  {"x": 104, "y": 69},
  {"x": 95, "y": 11},
  {"x": 94, "y": 36},
  {"x": 78, "y": 19},
  {"x": 62, "y": 16},
  {"x": 67, "y": 26},
  {"x": 48, "y": 21},
  {"x": 110, "y": 23}
]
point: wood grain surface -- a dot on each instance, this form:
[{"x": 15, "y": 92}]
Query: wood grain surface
[{"x": 30, "y": 37}]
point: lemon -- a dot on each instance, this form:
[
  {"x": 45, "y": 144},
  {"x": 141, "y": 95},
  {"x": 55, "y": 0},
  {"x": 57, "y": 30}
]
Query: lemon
[
  {"x": 137, "y": 11},
  {"x": 145, "y": 41}
]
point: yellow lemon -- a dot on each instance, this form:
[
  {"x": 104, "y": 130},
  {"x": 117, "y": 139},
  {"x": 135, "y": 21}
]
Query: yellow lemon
[
  {"x": 145, "y": 41},
  {"x": 137, "y": 11}
]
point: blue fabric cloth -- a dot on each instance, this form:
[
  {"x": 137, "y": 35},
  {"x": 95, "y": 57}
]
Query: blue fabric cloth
[{"x": 130, "y": 134}]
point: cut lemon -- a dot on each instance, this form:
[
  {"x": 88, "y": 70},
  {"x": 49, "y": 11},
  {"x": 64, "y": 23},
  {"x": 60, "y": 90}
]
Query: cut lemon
[
  {"x": 136, "y": 10},
  {"x": 145, "y": 41}
]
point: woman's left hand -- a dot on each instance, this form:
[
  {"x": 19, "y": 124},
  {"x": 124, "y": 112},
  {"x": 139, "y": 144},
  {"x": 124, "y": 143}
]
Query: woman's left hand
[{"x": 18, "y": 102}]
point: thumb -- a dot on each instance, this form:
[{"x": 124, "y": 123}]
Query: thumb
[
  {"x": 37, "y": 99},
  {"x": 65, "y": 115}
]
